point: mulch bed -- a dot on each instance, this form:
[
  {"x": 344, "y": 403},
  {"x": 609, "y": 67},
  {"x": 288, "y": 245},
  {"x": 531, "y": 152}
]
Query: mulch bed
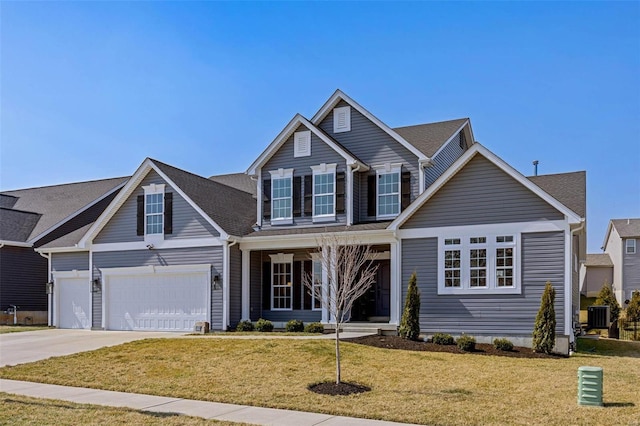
[
  {"x": 343, "y": 388},
  {"x": 396, "y": 342}
]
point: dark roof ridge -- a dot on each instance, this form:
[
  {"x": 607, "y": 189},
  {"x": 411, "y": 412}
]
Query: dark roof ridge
[
  {"x": 5, "y": 192},
  {"x": 557, "y": 174},
  {"x": 20, "y": 211}
]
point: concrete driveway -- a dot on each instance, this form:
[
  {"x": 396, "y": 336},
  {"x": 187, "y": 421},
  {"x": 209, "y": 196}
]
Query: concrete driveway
[{"x": 29, "y": 346}]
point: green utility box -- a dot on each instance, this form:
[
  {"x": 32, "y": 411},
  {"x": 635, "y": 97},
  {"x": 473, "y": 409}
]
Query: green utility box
[{"x": 590, "y": 386}]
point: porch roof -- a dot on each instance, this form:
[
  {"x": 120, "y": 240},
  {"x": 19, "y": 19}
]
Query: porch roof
[{"x": 373, "y": 226}]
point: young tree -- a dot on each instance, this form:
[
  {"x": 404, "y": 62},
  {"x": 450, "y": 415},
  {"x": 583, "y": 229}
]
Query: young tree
[
  {"x": 350, "y": 273},
  {"x": 633, "y": 308},
  {"x": 410, "y": 323},
  {"x": 544, "y": 331},
  {"x": 606, "y": 297}
]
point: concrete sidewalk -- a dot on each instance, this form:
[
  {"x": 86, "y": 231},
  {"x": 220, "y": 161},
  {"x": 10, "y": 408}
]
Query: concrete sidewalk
[{"x": 162, "y": 404}]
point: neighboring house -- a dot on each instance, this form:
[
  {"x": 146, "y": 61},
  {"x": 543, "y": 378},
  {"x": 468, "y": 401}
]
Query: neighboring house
[
  {"x": 621, "y": 244},
  {"x": 174, "y": 248},
  {"x": 32, "y": 217},
  {"x": 594, "y": 273}
]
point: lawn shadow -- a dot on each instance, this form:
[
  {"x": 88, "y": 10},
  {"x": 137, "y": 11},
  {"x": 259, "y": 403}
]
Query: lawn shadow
[
  {"x": 619, "y": 404},
  {"x": 70, "y": 406}
]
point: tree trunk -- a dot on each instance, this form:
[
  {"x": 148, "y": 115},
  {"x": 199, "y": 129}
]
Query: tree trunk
[{"x": 337, "y": 353}]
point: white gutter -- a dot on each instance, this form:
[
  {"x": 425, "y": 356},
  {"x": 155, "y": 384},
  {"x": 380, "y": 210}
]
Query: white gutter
[
  {"x": 568, "y": 300},
  {"x": 14, "y": 243},
  {"x": 49, "y": 296}
]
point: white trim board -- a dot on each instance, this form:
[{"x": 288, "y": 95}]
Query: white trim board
[{"x": 159, "y": 245}]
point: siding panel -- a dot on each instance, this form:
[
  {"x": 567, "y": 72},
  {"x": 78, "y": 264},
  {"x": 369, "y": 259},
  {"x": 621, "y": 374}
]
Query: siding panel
[
  {"x": 23, "y": 274},
  {"x": 441, "y": 162},
  {"x": 70, "y": 261}
]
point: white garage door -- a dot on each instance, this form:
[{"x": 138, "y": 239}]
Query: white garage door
[
  {"x": 74, "y": 300},
  {"x": 164, "y": 300}
]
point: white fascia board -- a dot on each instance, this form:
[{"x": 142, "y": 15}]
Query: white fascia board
[
  {"x": 283, "y": 242},
  {"x": 282, "y": 137},
  {"x": 73, "y": 215},
  {"x": 61, "y": 249},
  {"x": 606, "y": 235},
  {"x": 443, "y": 146},
  {"x": 160, "y": 245},
  {"x": 15, "y": 243},
  {"x": 339, "y": 95},
  {"x": 485, "y": 229},
  {"x": 477, "y": 148}
]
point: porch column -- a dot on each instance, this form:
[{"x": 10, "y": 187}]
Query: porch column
[
  {"x": 246, "y": 283},
  {"x": 395, "y": 302}
]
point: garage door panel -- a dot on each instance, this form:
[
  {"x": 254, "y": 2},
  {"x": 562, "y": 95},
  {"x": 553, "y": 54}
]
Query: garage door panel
[
  {"x": 160, "y": 301},
  {"x": 73, "y": 303}
]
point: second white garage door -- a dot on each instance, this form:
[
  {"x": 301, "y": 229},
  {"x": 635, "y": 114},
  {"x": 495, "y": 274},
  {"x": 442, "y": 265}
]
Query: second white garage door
[{"x": 156, "y": 298}]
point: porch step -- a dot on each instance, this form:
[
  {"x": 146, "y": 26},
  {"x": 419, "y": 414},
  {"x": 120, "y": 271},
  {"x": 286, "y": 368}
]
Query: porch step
[{"x": 373, "y": 328}]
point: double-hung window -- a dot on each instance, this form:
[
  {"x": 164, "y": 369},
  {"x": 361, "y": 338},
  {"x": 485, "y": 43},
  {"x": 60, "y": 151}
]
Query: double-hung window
[
  {"x": 154, "y": 209},
  {"x": 281, "y": 196},
  {"x": 324, "y": 192},
  {"x": 388, "y": 192},
  {"x": 630, "y": 246},
  {"x": 478, "y": 264},
  {"x": 281, "y": 282}
]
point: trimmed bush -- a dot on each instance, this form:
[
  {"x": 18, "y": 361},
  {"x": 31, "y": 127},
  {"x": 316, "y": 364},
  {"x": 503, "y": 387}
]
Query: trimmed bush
[
  {"x": 466, "y": 343},
  {"x": 294, "y": 326},
  {"x": 264, "y": 325},
  {"x": 314, "y": 327},
  {"x": 503, "y": 345},
  {"x": 606, "y": 297},
  {"x": 245, "y": 325},
  {"x": 443, "y": 339},
  {"x": 544, "y": 331},
  {"x": 410, "y": 323}
]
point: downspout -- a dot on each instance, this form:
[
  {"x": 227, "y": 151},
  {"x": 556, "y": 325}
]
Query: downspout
[
  {"x": 49, "y": 296},
  {"x": 228, "y": 243},
  {"x": 568, "y": 306}
]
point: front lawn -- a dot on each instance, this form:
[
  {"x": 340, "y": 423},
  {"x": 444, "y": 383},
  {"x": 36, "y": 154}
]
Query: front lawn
[
  {"x": 22, "y": 410},
  {"x": 19, "y": 328},
  {"x": 416, "y": 387}
]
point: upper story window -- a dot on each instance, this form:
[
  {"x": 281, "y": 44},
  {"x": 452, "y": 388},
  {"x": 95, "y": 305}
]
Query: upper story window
[
  {"x": 282, "y": 196},
  {"x": 324, "y": 192},
  {"x": 630, "y": 246},
  {"x": 154, "y": 213},
  {"x": 302, "y": 144},
  {"x": 155, "y": 216},
  {"x": 388, "y": 192},
  {"x": 342, "y": 119},
  {"x": 478, "y": 264}
]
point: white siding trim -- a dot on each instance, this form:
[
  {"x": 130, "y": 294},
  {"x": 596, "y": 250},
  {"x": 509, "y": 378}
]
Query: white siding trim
[
  {"x": 396, "y": 284},
  {"x": 246, "y": 285},
  {"x": 503, "y": 228},
  {"x": 568, "y": 284},
  {"x": 161, "y": 244}
]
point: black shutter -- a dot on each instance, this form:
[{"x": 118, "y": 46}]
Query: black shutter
[
  {"x": 306, "y": 271},
  {"x": 297, "y": 285},
  {"x": 308, "y": 195},
  {"x": 140, "y": 216},
  {"x": 340, "y": 192},
  {"x": 266, "y": 199},
  {"x": 297, "y": 193},
  {"x": 168, "y": 213},
  {"x": 371, "y": 195},
  {"x": 266, "y": 285},
  {"x": 405, "y": 189}
]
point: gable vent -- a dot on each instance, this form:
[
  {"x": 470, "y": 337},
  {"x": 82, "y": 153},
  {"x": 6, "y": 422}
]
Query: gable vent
[
  {"x": 302, "y": 144},
  {"x": 342, "y": 119}
]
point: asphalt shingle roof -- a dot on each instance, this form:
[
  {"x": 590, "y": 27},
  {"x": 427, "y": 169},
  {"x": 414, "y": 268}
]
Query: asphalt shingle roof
[
  {"x": 429, "y": 137},
  {"x": 627, "y": 228},
  {"x": 240, "y": 181},
  {"x": 598, "y": 260},
  {"x": 16, "y": 225},
  {"x": 568, "y": 188},
  {"x": 55, "y": 203},
  {"x": 232, "y": 209}
]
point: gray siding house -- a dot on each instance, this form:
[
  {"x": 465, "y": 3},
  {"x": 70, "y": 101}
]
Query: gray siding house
[
  {"x": 621, "y": 245},
  {"x": 173, "y": 248}
]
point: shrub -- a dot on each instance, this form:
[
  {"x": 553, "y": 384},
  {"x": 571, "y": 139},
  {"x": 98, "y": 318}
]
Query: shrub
[
  {"x": 633, "y": 308},
  {"x": 466, "y": 343},
  {"x": 544, "y": 331},
  {"x": 442, "y": 339},
  {"x": 245, "y": 325},
  {"x": 314, "y": 327},
  {"x": 410, "y": 323},
  {"x": 606, "y": 297},
  {"x": 503, "y": 345},
  {"x": 264, "y": 325},
  {"x": 294, "y": 326}
]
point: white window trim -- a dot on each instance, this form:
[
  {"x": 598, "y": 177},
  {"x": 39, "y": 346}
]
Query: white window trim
[
  {"x": 491, "y": 245},
  {"x": 315, "y": 262},
  {"x": 298, "y": 147},
  {"x": 628, "y": 246},
  {"x": 151, "y": 190},
  {"x": 336, "y": 113},
  {"x": 388, "y": 168},
  {"x": 282, "y": 258},
  {"x": 322, "y": 169},
  {"x": 281, "y": 174}
]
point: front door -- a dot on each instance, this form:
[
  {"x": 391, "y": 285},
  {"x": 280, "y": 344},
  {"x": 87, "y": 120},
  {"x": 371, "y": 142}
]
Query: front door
[{"x": 375, "y": 304}]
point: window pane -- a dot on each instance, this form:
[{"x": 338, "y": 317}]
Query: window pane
[{"x": 388, "y": 194}]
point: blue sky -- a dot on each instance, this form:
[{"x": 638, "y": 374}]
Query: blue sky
[{"x": 89, "y": 89}]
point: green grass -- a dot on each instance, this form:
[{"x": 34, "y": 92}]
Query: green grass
[
  {"x": 416, "y": 387},
  {"x": 20, "y": 328},
  {"x": 22, "y": 410}
]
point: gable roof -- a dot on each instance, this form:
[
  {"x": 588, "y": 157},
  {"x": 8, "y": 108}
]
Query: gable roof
[
  {"x": 568, "y": 188},
  {"x": 282, "y": 137},
  {"x": 56, "y": 204},
  {"x": 598, "y": 260},
  {"x": 239, "y": 181},
  {"x": 477, "y": 149},
  {"x": 627, "y": 228},
  {"x": 338, "y": 95},
  {"x": 430, "y": 137}
]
